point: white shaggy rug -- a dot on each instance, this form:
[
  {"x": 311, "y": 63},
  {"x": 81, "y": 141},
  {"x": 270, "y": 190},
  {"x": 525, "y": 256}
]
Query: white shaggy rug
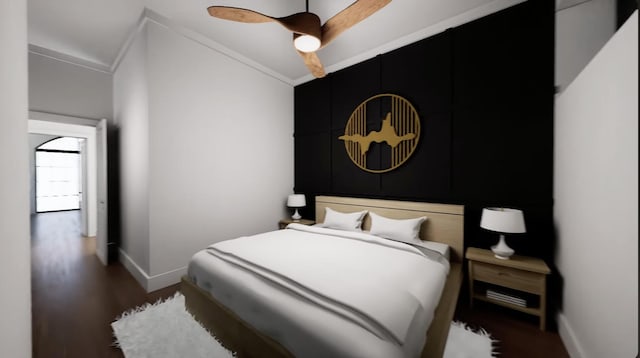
[
  {"x": 167, "y": 330},
  {"x": 464, "y": 343},
  {"x": 163, "y": 330}
]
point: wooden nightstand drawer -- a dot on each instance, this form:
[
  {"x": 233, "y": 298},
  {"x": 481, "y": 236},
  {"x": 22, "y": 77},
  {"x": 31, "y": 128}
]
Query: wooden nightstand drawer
[
  {"x": 508, "y": 277},
  {"x": 519, "y": 273}
]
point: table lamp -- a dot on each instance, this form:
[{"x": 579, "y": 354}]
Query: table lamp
[
  {"x": 502, "y": 221},
  {"x": 296, "y": 201}
]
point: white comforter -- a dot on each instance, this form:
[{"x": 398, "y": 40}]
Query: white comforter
[{"x": 380, "y": 285}]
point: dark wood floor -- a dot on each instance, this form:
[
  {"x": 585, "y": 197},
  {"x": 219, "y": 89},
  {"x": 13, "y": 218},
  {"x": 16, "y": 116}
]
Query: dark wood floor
[
  {"x": 518, "y": 334},
  {"x": 75, "y": 299}
]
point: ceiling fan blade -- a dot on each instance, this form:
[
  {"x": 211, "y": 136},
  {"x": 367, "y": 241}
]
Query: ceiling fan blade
[
  {"x": 302, "y": 23},
  {"x": 312, "y": 61},
  {"x": 305, "y": 23},
  {"x": 354, "y": 13},
  {"x": 238, "y": 14}
]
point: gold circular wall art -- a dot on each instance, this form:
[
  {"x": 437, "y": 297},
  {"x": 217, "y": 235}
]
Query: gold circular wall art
[{"x": 400, "y": 129}]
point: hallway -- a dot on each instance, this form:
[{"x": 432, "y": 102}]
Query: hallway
[{"x": 75, "y": 297}]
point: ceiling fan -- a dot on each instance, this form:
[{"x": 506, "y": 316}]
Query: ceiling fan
[{"x": 308, "y": 34}]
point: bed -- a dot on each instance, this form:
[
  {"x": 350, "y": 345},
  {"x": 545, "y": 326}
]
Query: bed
[{"x": 243, "y": 328}]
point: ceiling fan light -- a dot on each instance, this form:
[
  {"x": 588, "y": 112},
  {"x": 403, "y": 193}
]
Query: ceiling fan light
[{"x": 306, "y": 43}]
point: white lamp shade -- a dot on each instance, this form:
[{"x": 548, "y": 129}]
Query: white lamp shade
[
  {"x": 503, "y": 220},
  {"x": 296, "y": 201}
]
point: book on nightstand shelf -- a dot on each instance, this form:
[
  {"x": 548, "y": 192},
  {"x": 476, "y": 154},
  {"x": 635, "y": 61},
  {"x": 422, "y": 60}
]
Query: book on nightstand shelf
[{"x": 499, "y": 296}]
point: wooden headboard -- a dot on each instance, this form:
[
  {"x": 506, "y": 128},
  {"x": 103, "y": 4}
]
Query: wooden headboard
[{"x": 445, "y": 222}]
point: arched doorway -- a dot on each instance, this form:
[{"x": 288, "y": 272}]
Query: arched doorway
[{"x": 58, "y": 175}]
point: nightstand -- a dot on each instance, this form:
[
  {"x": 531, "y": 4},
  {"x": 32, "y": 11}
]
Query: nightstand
[
  {"x": 509, "y": 283},
  {"x": 284, "y": 222}
]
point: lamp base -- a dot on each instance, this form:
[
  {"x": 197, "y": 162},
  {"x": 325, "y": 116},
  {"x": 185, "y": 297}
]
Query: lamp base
[
  {"x": 296, "y": 216},
  {"x": 502, "y": 251}
]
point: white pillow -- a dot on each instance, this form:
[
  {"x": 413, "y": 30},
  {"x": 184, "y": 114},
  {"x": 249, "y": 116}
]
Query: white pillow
[
  {"x": 406, "y": 230},
  {"x": 343, "y": 221}
]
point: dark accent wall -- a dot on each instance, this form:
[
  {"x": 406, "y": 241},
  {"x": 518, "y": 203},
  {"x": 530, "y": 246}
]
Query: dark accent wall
[
  {"x": 484, "y": 92},
  {"x": 624, "y": 9}
]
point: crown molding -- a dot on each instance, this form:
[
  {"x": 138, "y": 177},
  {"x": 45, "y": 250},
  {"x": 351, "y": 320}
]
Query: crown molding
[
  {"x": 152, "y": 16},
  {"x": 565, "y": 4},
  {"x": 63, "y": 57}
]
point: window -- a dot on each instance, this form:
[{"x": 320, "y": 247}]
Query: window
[{"x": 58, "y": 175}]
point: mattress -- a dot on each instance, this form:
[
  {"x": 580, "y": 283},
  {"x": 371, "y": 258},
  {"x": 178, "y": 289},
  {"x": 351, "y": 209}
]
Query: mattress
[{"x": 321, "y": 292}]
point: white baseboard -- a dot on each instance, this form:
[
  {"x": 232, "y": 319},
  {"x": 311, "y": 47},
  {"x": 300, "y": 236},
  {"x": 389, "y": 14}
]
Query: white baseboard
[
  {"x": 151, "y": 283},
  {"x": 165, "y": 279},
  {"x": 133, "y": 268},
  {"x": 568, "y": 337}
]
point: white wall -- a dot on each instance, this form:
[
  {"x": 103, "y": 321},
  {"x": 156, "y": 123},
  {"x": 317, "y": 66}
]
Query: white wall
[
  {"x": 581, "y": 31},
  {"x": 221, "y": 138},
  {"x": 596, "y": 202},
  {"x": 131, "y": 116},
  {"x": 60, "y": 87},
  {"x": 15, "y": 262},
  {"x": 220, "y": 149}
]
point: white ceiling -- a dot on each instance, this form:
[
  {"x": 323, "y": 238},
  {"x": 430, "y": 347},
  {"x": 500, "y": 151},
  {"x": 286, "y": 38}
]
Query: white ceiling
[{"x": 94, "y": 31}]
